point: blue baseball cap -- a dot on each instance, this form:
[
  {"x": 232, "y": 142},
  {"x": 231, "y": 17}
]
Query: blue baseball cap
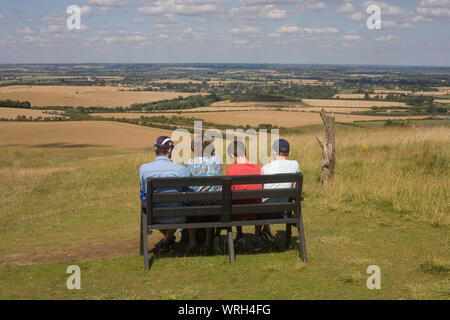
[
  {"x": 281, "y": 145},
  {"x": 164, "y": 142}
]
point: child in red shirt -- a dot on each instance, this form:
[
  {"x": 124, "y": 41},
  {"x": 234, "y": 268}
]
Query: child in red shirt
[{"x": 242, "y": 166}]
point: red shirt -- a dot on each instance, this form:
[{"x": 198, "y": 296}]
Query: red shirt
[{"x": 242, "y": 169}]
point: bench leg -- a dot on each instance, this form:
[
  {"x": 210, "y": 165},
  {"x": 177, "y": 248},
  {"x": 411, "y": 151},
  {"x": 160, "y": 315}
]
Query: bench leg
[
  {"x": 141, "y": 246},
  {"x": 144, "y": 243},
  {"x": 288, "y": 235},
  {"x": 230, "y": 245},
  {"x": 301, "y": 238}
]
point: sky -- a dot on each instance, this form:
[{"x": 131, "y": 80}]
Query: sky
[{"x": 413, "y": 32}]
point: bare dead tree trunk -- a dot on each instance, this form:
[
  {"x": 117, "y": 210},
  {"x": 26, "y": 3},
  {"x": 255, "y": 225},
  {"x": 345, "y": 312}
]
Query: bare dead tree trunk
[{"x": 328, "y": 148}]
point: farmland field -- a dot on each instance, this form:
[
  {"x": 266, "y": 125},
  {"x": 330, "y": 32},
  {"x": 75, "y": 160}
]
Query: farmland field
[
  {"x": 83, "y": 96},
  {"x": 351, "y": 103},
  {"x": 12, "y": 113},
  {"x": 281, "y": 118},
  {"x": 217, "y": 110},
  {"x": 77, "y": 134},
  {"x": 228, "y": 103}
]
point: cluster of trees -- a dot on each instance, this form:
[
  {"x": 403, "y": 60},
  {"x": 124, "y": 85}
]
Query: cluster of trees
[
  {"x": 15, "y": 104},
  {"x": 287, "y": 93},
  {"x": 179, "y": 103},
  {"x": 410, "y": 100}
]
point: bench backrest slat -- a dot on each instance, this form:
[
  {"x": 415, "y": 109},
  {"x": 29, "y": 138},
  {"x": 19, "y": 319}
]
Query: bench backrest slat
[
  {"x": 221, "y": 202},
  {"x": 263, "y": 208},
  {"x": 217, "y": 181},
  {"x": 187, "y": 196}
]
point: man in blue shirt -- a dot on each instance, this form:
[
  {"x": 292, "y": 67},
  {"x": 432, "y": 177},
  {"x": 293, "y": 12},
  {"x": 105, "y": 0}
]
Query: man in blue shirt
[{"x": 163, "y": 167}]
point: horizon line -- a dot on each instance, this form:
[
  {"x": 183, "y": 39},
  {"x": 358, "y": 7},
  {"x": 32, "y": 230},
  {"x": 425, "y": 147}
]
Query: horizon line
[{"x": 225, "y": 63}]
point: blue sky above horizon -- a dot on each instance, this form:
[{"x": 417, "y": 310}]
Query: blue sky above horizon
[{"x": 226, "y": 31}]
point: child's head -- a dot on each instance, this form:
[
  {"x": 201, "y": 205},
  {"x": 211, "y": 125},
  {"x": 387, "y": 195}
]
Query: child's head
[
  {"x": 237, "y": 150},
  {"x": 281, "y": 148}
]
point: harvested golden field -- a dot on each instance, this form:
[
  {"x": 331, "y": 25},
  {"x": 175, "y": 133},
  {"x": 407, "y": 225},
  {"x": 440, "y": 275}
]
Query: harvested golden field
[
  {"x": 433, "y": 93},
  {"x": 75, "y": 96},
  {"x": 442, "y": 88},
  {"x": 286, "y": 119},
  {"x": 306, "y": 82},
  {"x": 351, "y": 103},
  {"x": 177, "y": 81},
  {"x": 228, "y": 103},
  {"x": 392, "y": 91},
  {"x": 77, "y": 134},
  {"x": 281, "y": 118},
  {"x": 12, "y": 113},
  {"x": 356, "y": 96},
  {"x": 442, "y": 101},
  {"x": 217, "y": 110}
]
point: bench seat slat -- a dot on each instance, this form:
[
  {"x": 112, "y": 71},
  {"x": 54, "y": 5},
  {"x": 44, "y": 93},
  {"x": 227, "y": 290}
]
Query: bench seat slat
[
  {"x": 222, "y": 224},
  {"x": 265, "y": 193},
  {"x": 259, "y": 208},
  {"x": 187, "y": 211},
  {"x": 215, "y": 196},
  {"x": 262, "y": 208}
]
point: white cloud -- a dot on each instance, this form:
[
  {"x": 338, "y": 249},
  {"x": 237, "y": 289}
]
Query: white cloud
[
  {"x": 388, "y": 10},
  {"x": 291, "y": 29},
  {"x": 434, "y": 8},
  {"x": 259, "y": 12},
  {"x": 246, "y": 30},
  {"x": 109, "y": 5},
  {"x": 358, "y": 16},
  {"x": 351, "y": 37},
  {"x": 347, "y": 8},
  {"x": 127, "y": 39},
  {"x": 54, "y": 29},
  {"x": 388, "y": 38},
  {"x": 26, "y": 30},
  {"x": 86, "y": 11},
  {"x": 139, "y": 20},
  {"x": 57, "y": 18},
  {"x": 183, "y": 7}
]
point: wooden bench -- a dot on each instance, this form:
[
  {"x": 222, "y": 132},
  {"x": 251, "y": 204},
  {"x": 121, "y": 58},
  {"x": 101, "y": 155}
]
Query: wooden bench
[{"x": 221, "y": 204}]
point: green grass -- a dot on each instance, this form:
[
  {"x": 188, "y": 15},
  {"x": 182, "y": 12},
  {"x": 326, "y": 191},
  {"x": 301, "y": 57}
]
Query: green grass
[{"x": 388, "y": 207}]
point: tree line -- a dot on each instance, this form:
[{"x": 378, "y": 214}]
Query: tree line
[{"x": 15, "y": 104}]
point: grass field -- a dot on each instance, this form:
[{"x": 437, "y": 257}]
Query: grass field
[
  {"x": 75, "y": 96},
  {"x": 80, "y": 205}
]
